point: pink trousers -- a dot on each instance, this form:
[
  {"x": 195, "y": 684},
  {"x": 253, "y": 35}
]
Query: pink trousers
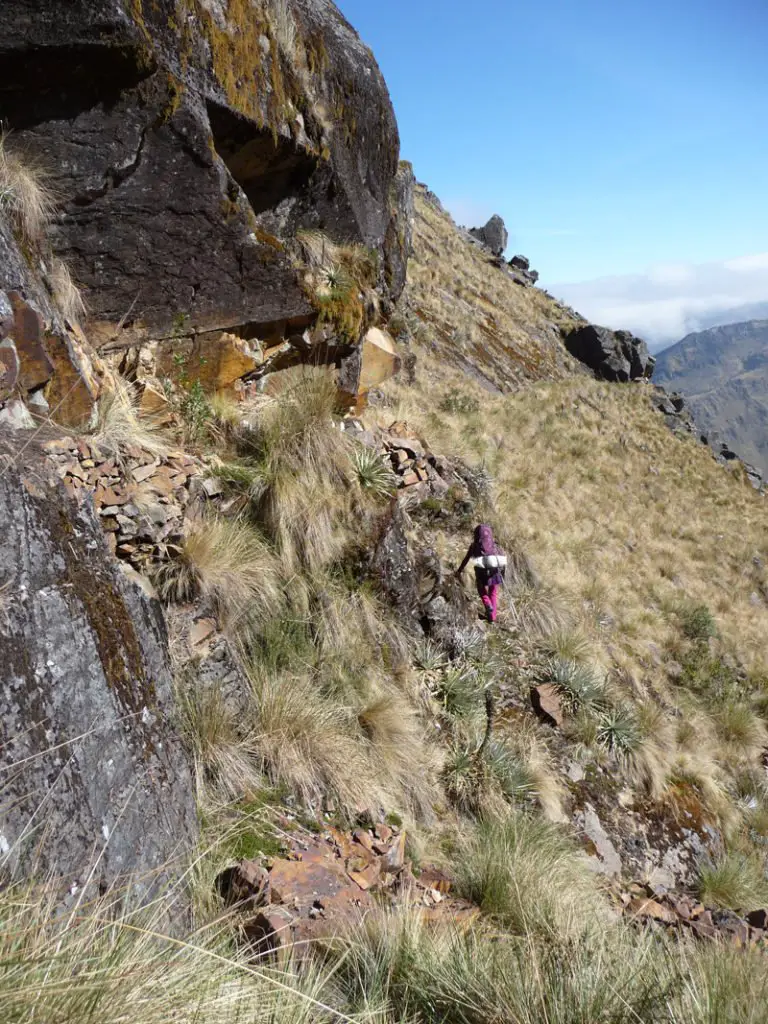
[{"x": 489, "y": 595}]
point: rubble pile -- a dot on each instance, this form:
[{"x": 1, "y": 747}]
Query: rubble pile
[
  {"x": 140, "y": 498},
  {"x": 329, "y": 879},
  {"x": 682, "y": 913}
]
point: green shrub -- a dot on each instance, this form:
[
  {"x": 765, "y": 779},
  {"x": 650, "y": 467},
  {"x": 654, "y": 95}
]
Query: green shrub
[
  {"x": 195, "y": 411},
  {"x": 696, "y": 621},
  {"x": 459, "y": 403},
  {"x": 710, "y": 677}
]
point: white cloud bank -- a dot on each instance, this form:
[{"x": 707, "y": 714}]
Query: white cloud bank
[{"x": 670, "y": 300}]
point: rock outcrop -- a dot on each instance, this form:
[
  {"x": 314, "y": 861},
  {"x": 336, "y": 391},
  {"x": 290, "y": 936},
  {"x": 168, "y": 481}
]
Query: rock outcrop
[
  {"x": 679, "y": 418},
  {"x": 613, "y": 355},
  {"x": 45, "y": 362},
  {"x": 520, "y": 270},
  {"x": 190, "y": 142},
  {"x": 96, "y": 785},
  {"x": 493, "y": 235}
]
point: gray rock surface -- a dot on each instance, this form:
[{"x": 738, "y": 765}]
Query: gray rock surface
[
  {"x": 95, "y": 781},
  {"x": 604, "y": 857},
  {"x": 493, "y": 235},
  {"x": 613, "y": 355}
]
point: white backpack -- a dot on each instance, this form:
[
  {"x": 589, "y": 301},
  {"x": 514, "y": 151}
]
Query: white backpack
[{"x": 490, "y": 562}]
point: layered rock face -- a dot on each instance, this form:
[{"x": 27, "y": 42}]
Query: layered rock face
[
  {"x": 190, "y": 141},
  {"x": 95, "y": 783}
]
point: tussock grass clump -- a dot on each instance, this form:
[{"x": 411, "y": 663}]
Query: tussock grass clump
[
  {"x": 68, "y": 296},
  {"x": 100, "y": 963},
  {"x": 120, "y": 424},
  {"x": 534, "y": 607},
  {"x": 225, "y": 765},
  {"x": 24, "y": 193},
  {"x": 741, "y": 732},
  {"x": 569, "y": 645},
  {"x": 735, "y": 882},
  {"x": 528, "y": 875},
  {"x": 304, "y": 497},
  {"x": 309, "y": 744},
  {"x": 226, "y": 562}
]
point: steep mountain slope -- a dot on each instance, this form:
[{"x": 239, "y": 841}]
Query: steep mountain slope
[
  {"x": 471, "y": 313},
  {"x": 412, "y": 813},
  {"x": 724, "y": 374}
]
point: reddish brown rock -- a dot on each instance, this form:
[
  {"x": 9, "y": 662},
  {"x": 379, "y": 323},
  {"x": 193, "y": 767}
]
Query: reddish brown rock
[
  {"x": 652, "y": 909},
  {"x": 216, "y": 359},
  {"x": 10, "y": 367},
  {"x": 758, "y": 919},
  {"x": 364, "y": 839},
  {"x": 546, "y": 703},
  {"x": 383, "y": 832},
  {"x": 395, "y": 859},
  {"x": 367, "y": 877},
  {"x": 270, "y": 932},
  {"x": 435, "y": 878},
  {"x": 73, "y": 388},
  {"x": 36, "y": 368}
]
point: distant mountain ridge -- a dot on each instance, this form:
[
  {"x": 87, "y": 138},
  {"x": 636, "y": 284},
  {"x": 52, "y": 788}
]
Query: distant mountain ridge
[{"x": 723, "y": 372}]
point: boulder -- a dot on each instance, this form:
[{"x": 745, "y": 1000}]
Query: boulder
[
  {"x": 493, "y": 236},
  {"x": 547, "y": 705},
  {"x": 612, "y": 355},
  {"x": 379, "y": 360},
  {"x": 97, "y": 786},
  {"x": 520, "y": 263},
  {"x": 191, "y": 139}
]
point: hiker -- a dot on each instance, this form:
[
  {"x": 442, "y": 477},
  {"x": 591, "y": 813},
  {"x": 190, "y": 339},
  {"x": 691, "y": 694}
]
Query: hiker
[{"x": 490, "y": 563}]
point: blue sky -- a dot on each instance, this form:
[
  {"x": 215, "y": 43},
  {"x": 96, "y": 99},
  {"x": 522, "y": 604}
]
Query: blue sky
[{"x": 617, "y": 139}]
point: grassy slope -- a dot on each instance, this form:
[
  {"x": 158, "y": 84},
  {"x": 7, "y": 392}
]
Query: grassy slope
[
  {"x": 634, "y": 531},
  {"x": 476, "y": 318}
]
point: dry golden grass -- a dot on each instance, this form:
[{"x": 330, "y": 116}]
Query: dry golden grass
[
  {"x": 607, "y": 501},
  {"x": 66, "y": 293},
  {"x": 24, "y": 193},
  {"x": 625, "y": 522},
  {"x": 473, "y": 314},
  {"x": 304, "y": 500},
  {"x": 120, "y": 423},
  {"x": 226, "y": 562},
  {"x": 634, "y": 533}
]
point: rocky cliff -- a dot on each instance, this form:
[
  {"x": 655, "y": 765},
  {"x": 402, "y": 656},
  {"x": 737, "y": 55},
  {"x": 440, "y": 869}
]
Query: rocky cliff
[
  {"x": 96, "y": 786},
  {"x": 188, "y": 143}
]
